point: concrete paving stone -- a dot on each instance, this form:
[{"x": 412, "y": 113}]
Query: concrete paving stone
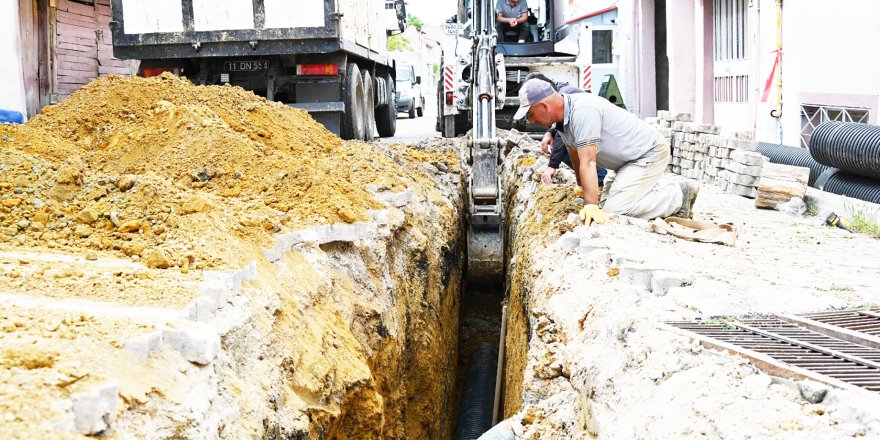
[
  {"x": 751, "y": 158},
  {"x": 724, "y": 163},
  {"x": 676, "y": 160},
  {"x": 142, "y": 346},
  {"x": 743, "y": 179},
  {"x": 741, "y": 190},
  {"x": 706, "y": 128},
  {"x": 676, "y": 169},
  {"x": 201, "y": 309},
  {"x": 664, "y": 115},
  {"x": 743, "y": 144},
  {"x": 703, "y": 148},
  {"x": 681, "y": 116},
  {"x": 351, "y": 231},
  {"x": 687, "y": 163},
  {"x": 712, "y": 151},
  {"x": 391, "y": 218},
  {"x": 94, "y": 412},
  {"x": 711, "y": 171},
  {"x": 678, "y": 125},
  {"x": 568, "y": 241},
  {"x": 398, "y": 199},
  {"x": 199, "y": 346},
  {"x": 739, "y": 168},
  {"x": 812, "y": 392},
  {"x": 637, "y": 276}
]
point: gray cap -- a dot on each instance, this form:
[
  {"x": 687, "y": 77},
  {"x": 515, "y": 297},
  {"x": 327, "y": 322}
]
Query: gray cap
[{"x": 532, "y": 91}]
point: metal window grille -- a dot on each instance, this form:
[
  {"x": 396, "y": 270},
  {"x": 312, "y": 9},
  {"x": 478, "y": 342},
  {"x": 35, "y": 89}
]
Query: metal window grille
[
  {"x": 732, "y": 88},
  {"x": 389, "y": 4},
  {"x": 730, "y": 29},
  {"x": 813, "y": 115}
]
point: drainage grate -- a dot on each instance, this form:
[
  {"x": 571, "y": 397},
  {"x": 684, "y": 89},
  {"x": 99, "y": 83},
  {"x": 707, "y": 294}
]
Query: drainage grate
[
  {"x": 860, "y": 321},
  {"x": 811, "y": 343}
]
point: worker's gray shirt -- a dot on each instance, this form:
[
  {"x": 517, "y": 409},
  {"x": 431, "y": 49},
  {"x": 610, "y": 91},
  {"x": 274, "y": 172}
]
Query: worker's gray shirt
[
  {"x": 621, "y": 136},
  {"x": 503, "y": 6}
]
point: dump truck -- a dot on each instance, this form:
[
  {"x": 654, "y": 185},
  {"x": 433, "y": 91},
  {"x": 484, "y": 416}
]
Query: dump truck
[{"x": 327, "y": 57}]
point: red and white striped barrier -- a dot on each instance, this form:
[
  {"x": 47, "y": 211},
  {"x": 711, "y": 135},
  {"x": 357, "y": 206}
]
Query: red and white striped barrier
[{"x": 587, "y": 78}]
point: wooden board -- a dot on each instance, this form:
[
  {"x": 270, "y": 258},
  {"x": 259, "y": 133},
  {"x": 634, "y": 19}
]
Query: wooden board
[{"x": 781, "y": 183}]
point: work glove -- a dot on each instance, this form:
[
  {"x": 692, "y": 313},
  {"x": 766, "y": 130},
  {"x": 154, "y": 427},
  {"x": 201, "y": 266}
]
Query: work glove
[{"x": 592, "y": 213}]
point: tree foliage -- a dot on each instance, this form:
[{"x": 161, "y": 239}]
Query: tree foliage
[
  {"x": 398, "y": 43},
  {"x": 415, "y": 22}
]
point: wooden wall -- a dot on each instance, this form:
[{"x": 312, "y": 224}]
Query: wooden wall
[{"x": 83, "y": 45}]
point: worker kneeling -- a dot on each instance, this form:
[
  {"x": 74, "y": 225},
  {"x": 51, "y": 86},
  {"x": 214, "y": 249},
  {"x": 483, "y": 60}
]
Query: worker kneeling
[{"x": 598, "y": 132}]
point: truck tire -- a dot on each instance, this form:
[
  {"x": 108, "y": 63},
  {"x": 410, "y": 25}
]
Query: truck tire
[
  {"x": 412, "y": 111},
  {"x": 369, "y": 107},
  {"x": 420, "y": 111},
  {"x": 353, "y": 97},
  {"x": 386, "y": 116}
]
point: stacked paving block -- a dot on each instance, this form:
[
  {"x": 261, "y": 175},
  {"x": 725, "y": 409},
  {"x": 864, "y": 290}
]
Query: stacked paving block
[{"x": 700, "y": 152}]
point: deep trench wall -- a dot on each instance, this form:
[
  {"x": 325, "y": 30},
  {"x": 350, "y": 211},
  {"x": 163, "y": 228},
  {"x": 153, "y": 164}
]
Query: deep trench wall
[
  {"x": 361, "y": 341},
  {"x": 404, "y": 316},
  {"x": 532, "y": 223}
]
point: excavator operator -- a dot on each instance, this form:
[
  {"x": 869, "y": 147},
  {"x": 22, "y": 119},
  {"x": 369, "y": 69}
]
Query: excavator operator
[{"x": 512, "y": 15}]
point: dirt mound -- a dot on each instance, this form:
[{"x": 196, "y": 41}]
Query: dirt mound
[{"x": 162, "y": 170}]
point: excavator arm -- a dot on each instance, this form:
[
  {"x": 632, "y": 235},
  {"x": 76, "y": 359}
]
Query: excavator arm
[{"x": 485, "y": 213}]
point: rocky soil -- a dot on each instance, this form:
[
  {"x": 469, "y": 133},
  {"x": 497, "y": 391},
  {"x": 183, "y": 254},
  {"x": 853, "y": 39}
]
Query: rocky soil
[
  {"x": 589, "y": 355},
  {"x": 197, "y": 262}
]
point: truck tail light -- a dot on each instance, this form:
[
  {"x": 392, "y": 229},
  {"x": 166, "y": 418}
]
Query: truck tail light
[
  {"x": 317, "y": 69},
  {"x": 149, "y": 72},
  {"x": 449, "y": 97}
]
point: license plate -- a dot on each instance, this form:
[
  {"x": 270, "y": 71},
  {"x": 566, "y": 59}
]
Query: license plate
[{"x": 245, "y": 66}]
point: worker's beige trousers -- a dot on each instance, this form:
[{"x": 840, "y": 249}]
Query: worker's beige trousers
[{"x": 635, "y": 189}]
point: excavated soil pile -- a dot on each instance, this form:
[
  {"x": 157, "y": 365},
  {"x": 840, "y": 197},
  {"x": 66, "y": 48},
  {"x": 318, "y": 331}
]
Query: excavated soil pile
[{"x": 154, "y": 168}]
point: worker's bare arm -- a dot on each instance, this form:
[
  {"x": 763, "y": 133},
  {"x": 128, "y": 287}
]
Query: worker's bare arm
[{"x": 584, "y": 162}]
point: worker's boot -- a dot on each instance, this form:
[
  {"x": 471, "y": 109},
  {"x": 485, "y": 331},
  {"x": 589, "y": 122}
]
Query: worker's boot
[{"x": 689, "y": 190}]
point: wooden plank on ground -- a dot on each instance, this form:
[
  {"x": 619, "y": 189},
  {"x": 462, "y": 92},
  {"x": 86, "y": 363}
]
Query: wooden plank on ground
[{"x": 781, "y": 183}]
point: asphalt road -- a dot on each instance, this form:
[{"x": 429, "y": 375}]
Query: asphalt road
[{"x": 414, "y": 130}]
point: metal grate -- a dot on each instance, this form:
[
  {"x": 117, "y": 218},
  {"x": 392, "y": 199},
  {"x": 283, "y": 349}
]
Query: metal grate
[
  {"x": 861, "y": 321},
  {"x": 813, "y": 115},
  {"x": 795, "y": 345}
]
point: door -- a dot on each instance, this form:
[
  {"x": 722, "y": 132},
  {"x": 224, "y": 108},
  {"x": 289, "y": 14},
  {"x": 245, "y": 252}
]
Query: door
[{"x": 731, "y": 64}]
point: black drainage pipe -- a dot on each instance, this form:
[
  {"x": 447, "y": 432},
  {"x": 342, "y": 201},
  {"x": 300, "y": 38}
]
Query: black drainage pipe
[
  {"x": 850, "y": 185},
  {"x": 475, "y": 414},
  {"x": 848, "y": 146},
  {"x": 799, "y": 157}
]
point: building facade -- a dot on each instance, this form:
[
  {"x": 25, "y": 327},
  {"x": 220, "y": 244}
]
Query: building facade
[{"x": 776, "y": 67}]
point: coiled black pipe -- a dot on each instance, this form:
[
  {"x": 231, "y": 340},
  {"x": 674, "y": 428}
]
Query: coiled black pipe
[
  {"x": 799, "y": 157},
  {"x": 857, "y": 187},
  {"x": 848, "y": 146},
  {"x": 475, "y": 413}
]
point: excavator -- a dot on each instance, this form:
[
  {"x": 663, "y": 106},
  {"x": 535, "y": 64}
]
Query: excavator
[{"x": 479, "y": 91}]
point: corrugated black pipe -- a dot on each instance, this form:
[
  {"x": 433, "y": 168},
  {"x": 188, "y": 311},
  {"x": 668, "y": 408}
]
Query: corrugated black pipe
[
  {"x": 848, "y": 146},
  {"x": 857, "y": 187},
  {"x": 475, "y": 414},
  {"x": 799, "y": 157}
]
